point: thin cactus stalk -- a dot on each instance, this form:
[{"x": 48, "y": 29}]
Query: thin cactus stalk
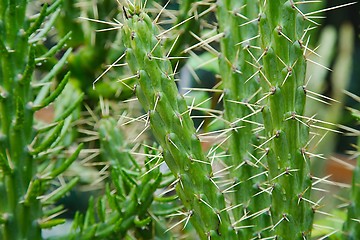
[
  {"x": 18, "y": 218},
  {"x": 21, "y": 180},
  {"x": 281, "y": 27},
  {"x": 171, "y": 124},
  {"x": 352, "y": 223},
  {"x": 241, "y": 84}
]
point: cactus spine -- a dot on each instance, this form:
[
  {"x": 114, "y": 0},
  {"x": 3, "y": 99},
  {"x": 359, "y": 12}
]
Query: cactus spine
[
  {"x": 281, "y": 32},
  {"x": 18, "y": 165}
]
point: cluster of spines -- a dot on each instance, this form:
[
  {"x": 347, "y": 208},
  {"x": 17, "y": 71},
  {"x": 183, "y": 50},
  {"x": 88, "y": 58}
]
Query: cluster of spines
[
  {"x": 281, "y": 66},
  {"x": 93, "y": 48},
  {"x": 188, "y": 25},
  {"x": 171, "y": 124}
]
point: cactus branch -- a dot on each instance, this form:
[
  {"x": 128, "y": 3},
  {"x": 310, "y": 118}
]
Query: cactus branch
[
  {"x": 281, "y": 30},
  {"x": 157, "y": 92}
]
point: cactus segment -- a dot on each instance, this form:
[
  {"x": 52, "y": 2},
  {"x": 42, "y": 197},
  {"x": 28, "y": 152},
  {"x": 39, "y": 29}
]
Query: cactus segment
[
  {"x": 241, "y": 82},
  {"x": 281, "y": 28},
  {"x": 174, "y": 129},
  {"x": 21, "y": 148},
  {"x": 54, "y": 94}
]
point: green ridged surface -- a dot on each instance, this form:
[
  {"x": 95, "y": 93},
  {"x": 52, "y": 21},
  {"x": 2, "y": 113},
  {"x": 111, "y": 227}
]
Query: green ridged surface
[
  {"x": 281, "y": 28},
  {"x": 240, "y": 81},
  {"x": 21, "y": 146},
  {"x": 173, "y": 128},
  {"x": 19, "y": 219},
  {"x": 133, "y": 197}
]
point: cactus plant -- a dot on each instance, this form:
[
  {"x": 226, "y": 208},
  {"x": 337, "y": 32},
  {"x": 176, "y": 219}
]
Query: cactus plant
[
  {"x": 280, "y": 68},
  {"x": 26, "y": 146},
  {"x": 173, "y": 127},
  {"x": 282, "y": 30},
  {"x": 129, "y": 194},
  {"x": 253, "y": 183},
  {"x": 240, "y": 83}
]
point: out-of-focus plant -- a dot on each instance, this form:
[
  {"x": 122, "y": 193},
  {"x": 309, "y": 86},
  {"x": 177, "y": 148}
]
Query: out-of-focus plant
[
  {"x": 330, "y": 108},
  {"x": 93, "y": 44}
]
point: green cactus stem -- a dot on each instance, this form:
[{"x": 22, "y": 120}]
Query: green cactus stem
[
  {"x": 21, "y": 183},
  {"x": 281, "y": 32},
  {"x": 173, "y": 128},
  {"x": 241, "y": 83}
]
